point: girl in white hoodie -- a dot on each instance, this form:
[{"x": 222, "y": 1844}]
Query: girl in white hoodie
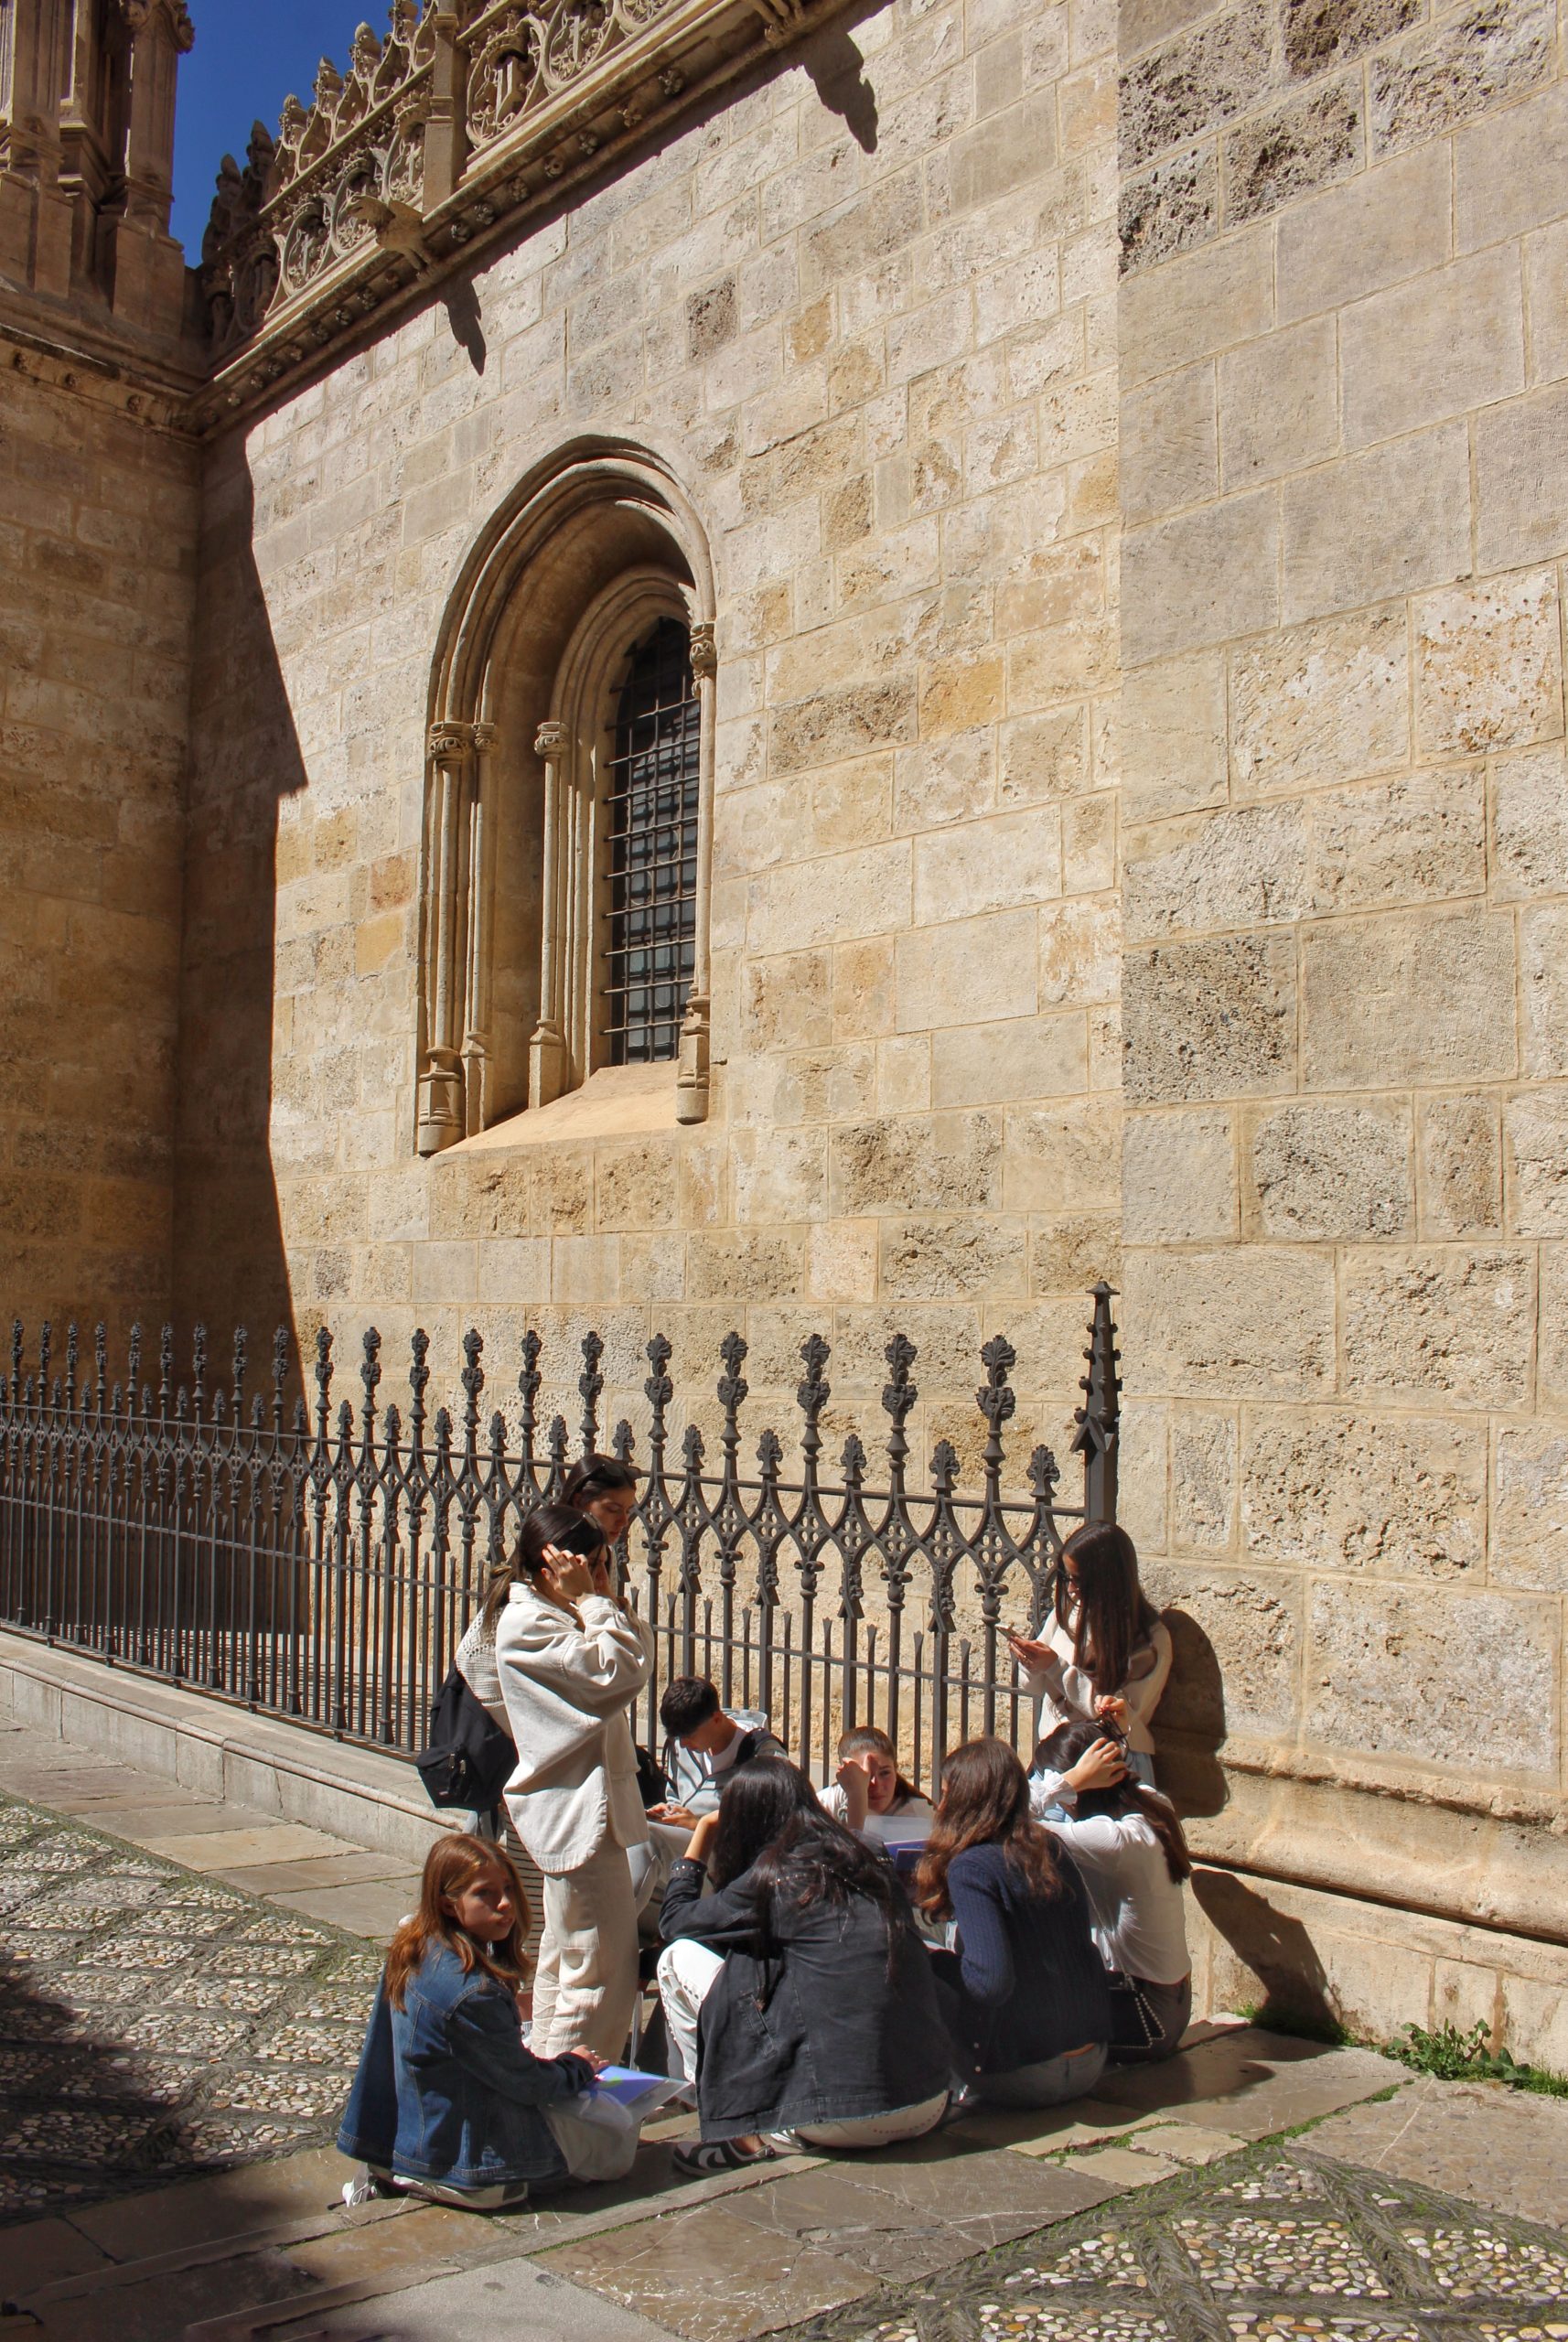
[{"x": 571, "y": 1658}]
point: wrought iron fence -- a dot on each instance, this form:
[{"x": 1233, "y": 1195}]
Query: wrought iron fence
[{"x": 321, "y": 1563}]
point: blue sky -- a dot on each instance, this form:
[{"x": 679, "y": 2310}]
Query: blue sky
[{"x": 246, "y": 60}]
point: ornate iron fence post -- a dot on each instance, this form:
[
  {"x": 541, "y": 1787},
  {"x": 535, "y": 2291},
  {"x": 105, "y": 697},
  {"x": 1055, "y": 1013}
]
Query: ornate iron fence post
[{"x": 1098, "y": 1420}]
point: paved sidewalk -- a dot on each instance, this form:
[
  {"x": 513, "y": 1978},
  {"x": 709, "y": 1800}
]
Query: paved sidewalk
[{"x": 176, "y": 1999}]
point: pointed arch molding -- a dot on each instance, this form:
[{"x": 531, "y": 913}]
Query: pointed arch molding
[{"x": 467, "y": 753}]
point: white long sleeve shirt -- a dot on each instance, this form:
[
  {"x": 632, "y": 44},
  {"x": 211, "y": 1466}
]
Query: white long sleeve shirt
[
  {"x": 1137, "y": 1911},
  {"x": 1064, "y": 1693},
  {"x": 568, "y": 1680}
]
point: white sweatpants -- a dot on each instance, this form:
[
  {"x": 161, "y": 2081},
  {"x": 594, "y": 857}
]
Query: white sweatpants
[
  {"x": 585, "y": 1987},
  {"x": 686, "y": 1972}
]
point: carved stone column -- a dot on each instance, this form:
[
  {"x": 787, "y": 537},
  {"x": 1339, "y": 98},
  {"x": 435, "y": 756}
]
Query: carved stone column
[
  {"x": 149, "y": 266},
  {"x": 444, "y": 144},
  {"x": 692, "y": 1080},
  {"x": 549, "y": 1055},
  {"x": 481, "y": 931},
  {"x": 440, "y": 1119}
]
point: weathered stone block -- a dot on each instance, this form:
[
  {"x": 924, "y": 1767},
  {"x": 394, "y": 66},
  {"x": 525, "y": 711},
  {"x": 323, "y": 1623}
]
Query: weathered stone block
[
  {"x": 1246, "y": 868},
  {"x": 1023, "y": 1057},
  {"x": 780, "y": 1176},
  {"x": 635, "y": 1185},
  {"x": 1173, "y": 737},
  {"x": 1198, "y": 304},
  {"x": 1278, "y": 404},
  {"x": 1463, "y": 66},
  {"x": 1321, "y": 32},
  {"x": 1203, "y": 1481},
  {"x": 1333, "y": 1171},
  {"x": 765, "y": 1264},
  {"x": 1293, "y": 150},
  {"x": 951, "y": 781},
  {"x": 1453, "y": 1322},
  {"x": 1242, "y": 1322},
  {"x": 1521, "y": 488},
  {"x": 1459, "y": 1166},
  {"x": 837, "y": 896},
  {"x": 1178, "y": 1178},
  {"x": 1043, "y": 757},
  {"x": 1529, "y": 1511},
  {"x": 1543, "y": 985},
  {"x": 1081, "y": 953},
  {"x": 1070, "y": 1255},
  {"x": 838, "y": 724},
  {"x": 1390, "y": 222},
  {"x": 1380, "y": 1676},
  {"x": 1238, "y": 1640},
  {"x": 929, "y": 1260},
  {"x": 1168, "y": 455},
  {"x": 930, "y": 1164},
  {"x": 1408, "y": 997},
  {"x": 1320, "y": 703},
  {"x": 1201, "y": 578},
  {"x": 1535, "y": 1131},
  {"x": 1378, "y": 524},
  {"x": 1398, "y": 1496},
  {"x": 1416, "y": 839},
  {"x": 989, "y": 864},
  {"x": 1529, "y": 824},
  {"x": 785, "y": 1003},
  {"x": 1488, "y": 664},
  {"x": 1168, "y": 210},
  {"x": 1141, "y": 1498},
  {"x": 967, "y": 971},
  {"x": 1209, "y": 1020},
  {"x": 1200, "y": 79},
  {"x": 1063, "y": 1158}
]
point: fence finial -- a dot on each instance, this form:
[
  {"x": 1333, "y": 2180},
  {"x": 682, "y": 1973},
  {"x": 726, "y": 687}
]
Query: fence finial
[{"x": 1098, "y": 1420}]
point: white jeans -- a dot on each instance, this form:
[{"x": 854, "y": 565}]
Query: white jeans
[
  {"x": 877, "y": 2130},
  {"x": 686, "y": 1972},
  {"x": 585, "y": 1987}
]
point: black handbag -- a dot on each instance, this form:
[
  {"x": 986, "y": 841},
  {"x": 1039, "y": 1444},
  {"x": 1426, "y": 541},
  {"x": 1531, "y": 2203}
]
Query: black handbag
[
  {"x": 1133, "y": 2024},
  {"x": 651, "y": 1786},
  {"x": 470, "y": 1758}
]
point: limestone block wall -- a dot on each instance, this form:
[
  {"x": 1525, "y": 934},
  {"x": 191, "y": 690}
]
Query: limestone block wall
[
  {"x": 864, "y": 309},
  {"x": 1344, "y": 349},
  {"x": 97, "y": 573}
]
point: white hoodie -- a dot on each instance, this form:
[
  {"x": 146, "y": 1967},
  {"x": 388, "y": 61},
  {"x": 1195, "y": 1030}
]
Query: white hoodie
[{"x": 569, "y": 1679}]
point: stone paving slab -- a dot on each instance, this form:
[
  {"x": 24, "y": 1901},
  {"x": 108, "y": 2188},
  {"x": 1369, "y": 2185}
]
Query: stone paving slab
[
  {"x": 1507, "y": 2149},
  {"x": 522, "y": 2302}
]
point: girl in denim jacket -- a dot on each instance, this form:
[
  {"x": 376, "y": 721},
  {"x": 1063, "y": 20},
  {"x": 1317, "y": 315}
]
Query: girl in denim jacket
[{"x": 448, "y": 2102}]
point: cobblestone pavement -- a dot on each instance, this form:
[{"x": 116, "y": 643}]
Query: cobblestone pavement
[
  {"x": 1272, "y": 2244},
  {"x": 154, "y": 2023}
]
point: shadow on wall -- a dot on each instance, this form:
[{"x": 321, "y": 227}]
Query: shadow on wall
[
  {"x": 1190, "y": 1725},
  {"x": 229, "y": 1267},
  {"x": 1265, "y": 1944}
]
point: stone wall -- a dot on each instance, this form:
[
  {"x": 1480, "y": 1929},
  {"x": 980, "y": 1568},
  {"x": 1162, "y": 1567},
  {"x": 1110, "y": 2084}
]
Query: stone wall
[
  {"x": 864, "y": 311},
  {"x": 97, "y": 535},
  {"x": 1342, "y": 341}
]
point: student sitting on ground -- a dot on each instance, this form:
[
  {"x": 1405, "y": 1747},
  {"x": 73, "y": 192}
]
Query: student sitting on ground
[
  {"x": 1025, "y": 1994},
  {"x": 1129, "y": 1847},
  {"x": 817, "y": 2025},
  {"x": 870, "y": 1794},
  {"x": 705, "y": 1745},
  {"x": 1103, "y": 1642},
  {"x": 448, "y": 2102}
]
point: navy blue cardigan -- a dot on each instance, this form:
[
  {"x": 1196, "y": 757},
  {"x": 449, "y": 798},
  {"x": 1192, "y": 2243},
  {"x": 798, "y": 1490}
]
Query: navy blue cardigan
[{"x": 1027, "y": 1983}]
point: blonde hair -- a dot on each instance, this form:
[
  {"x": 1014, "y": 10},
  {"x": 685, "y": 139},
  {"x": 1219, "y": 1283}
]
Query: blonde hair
[{"x": 454, "y": 1865}]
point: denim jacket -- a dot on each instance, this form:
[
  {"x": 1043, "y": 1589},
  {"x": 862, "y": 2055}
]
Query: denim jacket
[{"x": 446, "y": 2090}]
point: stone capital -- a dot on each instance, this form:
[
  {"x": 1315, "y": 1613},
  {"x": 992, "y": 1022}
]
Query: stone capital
[
  {"x": 485, "y": 736},
  {"x": 449, "y": 743},
  {"x": 552, "y": 740}
]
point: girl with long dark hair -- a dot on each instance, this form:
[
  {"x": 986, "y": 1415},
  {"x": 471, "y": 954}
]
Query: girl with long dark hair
[
  {"x": 1024, "y": 1992},
  {"x": 572, "y": 1657},
  {"x": 1128, "y": 1845},
  {"x": 1105, "y": 1651},
  {"x": 798, "y": 1990}
]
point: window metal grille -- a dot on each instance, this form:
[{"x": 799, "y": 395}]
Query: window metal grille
[{"x": 650, "y": 823}]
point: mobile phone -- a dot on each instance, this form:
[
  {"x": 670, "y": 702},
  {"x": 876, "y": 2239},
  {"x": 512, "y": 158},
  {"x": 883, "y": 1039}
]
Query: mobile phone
[{"x": 587, "y": 1539}]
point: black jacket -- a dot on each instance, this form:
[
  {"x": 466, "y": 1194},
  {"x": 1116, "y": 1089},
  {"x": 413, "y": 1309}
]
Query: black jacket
[
  {"x": 1027, "y": 1983},
  {"x": 808, "y": 2021}
]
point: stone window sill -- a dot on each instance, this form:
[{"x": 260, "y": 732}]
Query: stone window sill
[{"x": 616, "y": 1102}]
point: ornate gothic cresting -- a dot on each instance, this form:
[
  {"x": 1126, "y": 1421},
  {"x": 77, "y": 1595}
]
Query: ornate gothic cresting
[
  {"x": 463, "y": 113},
  {"x": 469, "y": 765}
]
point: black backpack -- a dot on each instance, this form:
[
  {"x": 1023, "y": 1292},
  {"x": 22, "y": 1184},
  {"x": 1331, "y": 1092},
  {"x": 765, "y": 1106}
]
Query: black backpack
[{"x": 470, "y": 1758}]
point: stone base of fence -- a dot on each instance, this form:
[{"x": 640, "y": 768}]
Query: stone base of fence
[{"x": 219, "y": 1750}]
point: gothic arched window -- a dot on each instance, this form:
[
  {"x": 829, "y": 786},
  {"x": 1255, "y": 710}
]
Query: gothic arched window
[{"x": 649, "y": 905}]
